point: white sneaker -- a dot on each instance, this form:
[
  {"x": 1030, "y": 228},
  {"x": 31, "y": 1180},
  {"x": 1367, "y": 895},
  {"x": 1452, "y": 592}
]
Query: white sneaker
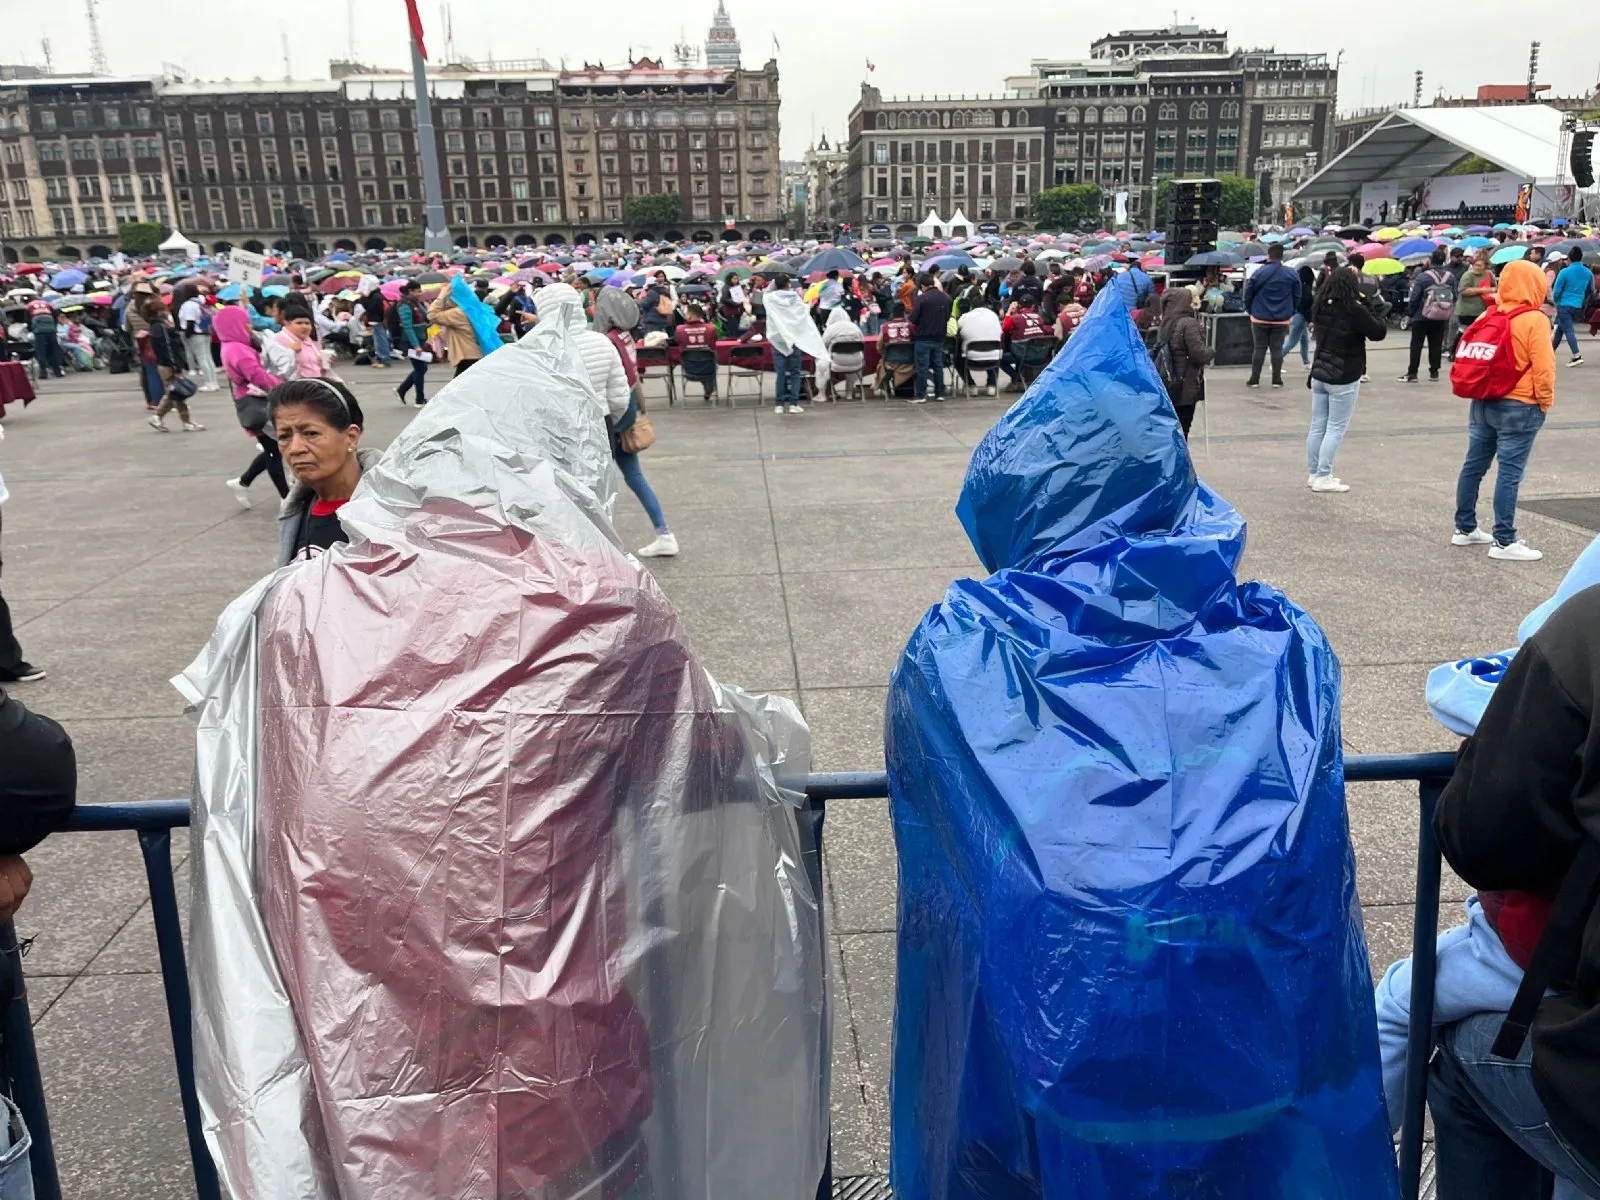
[
  {"x": 778, "y": 411},
  {"x": 795, "y": 410},
  {"x": 1476, "y": 538},
  {"x": 1575, "y": 362},
  {"x": 208, "y": 387},
  {"x": 1311, "y": 480},
  {"x": 240, "y": 492},
  {"x": 990, "y": 391},
  {"x": 665, "y": 546},
  {"x": 158, "y": 425},
  {"x": 193, "y": 427},
  {"x": 1328, "y": 483},
  {"x": 1517, "y": 551}
]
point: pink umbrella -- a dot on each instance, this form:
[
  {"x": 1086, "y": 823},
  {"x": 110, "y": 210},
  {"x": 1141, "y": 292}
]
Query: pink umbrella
[
  {"x": 391, "y": 290},
  {"x": 883, "y": 262},
  {"x": 1371, "y": 250},
  {"x": 1153, "y": 260}
]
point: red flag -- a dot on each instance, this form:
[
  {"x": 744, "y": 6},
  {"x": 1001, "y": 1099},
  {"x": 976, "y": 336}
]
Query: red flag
[
  {"x": 870, "y": 67},
  {"x": 416, "y": 27}
]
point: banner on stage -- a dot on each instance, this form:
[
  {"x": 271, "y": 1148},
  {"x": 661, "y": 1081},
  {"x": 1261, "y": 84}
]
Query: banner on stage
[
  {"x": 1380, "y": 202},
  {"x": 1497, "y": 189},
  {"x": 245, "y": 267}
]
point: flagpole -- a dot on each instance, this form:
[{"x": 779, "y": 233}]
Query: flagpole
[{"x": 435, "y": 232}]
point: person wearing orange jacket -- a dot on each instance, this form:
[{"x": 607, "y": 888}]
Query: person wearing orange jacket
[{"x": 1506, "y": 428}]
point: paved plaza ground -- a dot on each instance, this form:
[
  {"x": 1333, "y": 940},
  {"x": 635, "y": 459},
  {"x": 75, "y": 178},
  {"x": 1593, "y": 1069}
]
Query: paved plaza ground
[{"x": 811, "y": 547}]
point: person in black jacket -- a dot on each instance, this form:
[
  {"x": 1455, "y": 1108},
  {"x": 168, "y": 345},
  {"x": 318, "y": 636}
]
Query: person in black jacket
[
  {"x": 930, "y": 321},
  {"x": 172, "y": 363},
  {"x": 1181, "y": 329},
  {"x": 1431, "y": 304},
  {"x": 38, "y": 790},
  {"x": 1300, "y": 327},
  {"x": 1344, "y": 322},
  {"x": 1522, "y": 808}
]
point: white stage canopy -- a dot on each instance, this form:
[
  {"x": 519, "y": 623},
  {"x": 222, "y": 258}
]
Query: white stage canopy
[{"x": 1414, "y": 144}]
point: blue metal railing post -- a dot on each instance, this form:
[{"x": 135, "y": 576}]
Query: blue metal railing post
[
  {"x": 1419, "y": 1038},
  {"x": 22, "y": 1069},
  {"x": 156, "y": 845}
]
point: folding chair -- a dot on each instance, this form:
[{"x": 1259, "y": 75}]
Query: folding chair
[
  {"x": 698, "y": 363},
  {"x": 657, "y": 356},
  {"x": 898, "y": 354},
  {"x": 968, "y": 366},
  {"x": 1033, "y": 356},
  {"x": 851, "y": 378},
  {"x": 746, "y": 362}
]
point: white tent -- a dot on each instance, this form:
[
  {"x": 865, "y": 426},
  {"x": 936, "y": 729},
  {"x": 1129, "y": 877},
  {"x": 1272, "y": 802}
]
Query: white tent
[
  {"x": 959, "y": 225},
  {"x": 177, "y": 243},
  {"x": 1412, "y": 145},
  {"x": 932, "y": 226}
]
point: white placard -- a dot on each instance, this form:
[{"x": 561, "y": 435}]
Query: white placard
[{"x": 245, "y": 267}]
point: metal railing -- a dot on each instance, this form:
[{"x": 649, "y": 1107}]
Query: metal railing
[{"x": 154, "y": 820}]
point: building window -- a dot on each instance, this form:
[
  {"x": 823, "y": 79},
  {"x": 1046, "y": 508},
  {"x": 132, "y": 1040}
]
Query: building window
[
  {"x": 1167, "y": 112},
  {"x": 451, "y": 118},
  {"x": 388, "y": 118},
  {"x": 326, "y": 123},
  {"x": 397, "y": 191},
  {"x": 358, "y": 119},
  {"x": 397, "y": 166},
  {"x": 80, "y": 118},
  {"x": 516, "y": 140},
  {"x": 1199, "y": 111},
  {"x": 485, "y": 139},
  {"x": 369, "y": 216},
  {"x": 545, "y": 117},
  {"x": 1194, "y": 162},
  {"x": 47, "y": 120},
  {"x": 392, "y": 144},
  {"x": 1091, "y": 116},
  {"x": 486, "y": 165}
]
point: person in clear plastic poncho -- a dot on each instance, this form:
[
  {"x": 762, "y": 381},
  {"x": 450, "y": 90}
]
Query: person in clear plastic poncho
[{"x": 497, "y": 893}]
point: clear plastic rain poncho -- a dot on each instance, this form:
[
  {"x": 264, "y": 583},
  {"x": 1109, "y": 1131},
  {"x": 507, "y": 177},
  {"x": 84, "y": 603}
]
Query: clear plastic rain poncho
[
  {"x": 496, "y": 891},
  {"x": 1131, "y": 963}
]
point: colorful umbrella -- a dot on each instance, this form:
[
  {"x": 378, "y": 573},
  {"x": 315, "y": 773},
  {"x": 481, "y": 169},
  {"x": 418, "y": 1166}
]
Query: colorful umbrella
[
  {"x": 1410, "y": 246},
  {"x": 1508, "y": 253},
  {"x": 1387, "y": 234},
  {"x": 1383, "y": 266},
  {"x": 1373, "y": 250}
]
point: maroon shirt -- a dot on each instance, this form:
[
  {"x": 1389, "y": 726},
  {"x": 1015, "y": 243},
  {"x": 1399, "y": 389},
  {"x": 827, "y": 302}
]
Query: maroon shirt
[
  {"x": 702, "y": 336},
  {"x": 897, "y": 330},
  {"x": 1023, "y": 325}
]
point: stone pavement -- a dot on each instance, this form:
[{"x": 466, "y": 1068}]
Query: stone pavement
[{"x": 811, "y": 546}]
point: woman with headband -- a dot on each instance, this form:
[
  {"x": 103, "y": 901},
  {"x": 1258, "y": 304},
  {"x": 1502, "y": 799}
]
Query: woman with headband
[{"x": 318, "y": 423}]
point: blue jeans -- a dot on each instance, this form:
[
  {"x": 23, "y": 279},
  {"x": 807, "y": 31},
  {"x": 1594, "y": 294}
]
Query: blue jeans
[
  {"x": 1506, "y": 428},
  {"x": 381, "y": 349},
  {"x": 791, "y": 371},
  {"x": 1567, "y": 324},
  {"x": 150, "y": 381},
  {"x": 870, "y": 323},
  {"x": 1493, "y": 1136},
  {"x": 419, "y": 372},
  {"x": 1299, "y": 335},
  {"x": 930, "y": 368},
  {"x": 1332, "y": 406},
  {"x": 633, "y": 475},
  {"x": 16, "y": 1176}
]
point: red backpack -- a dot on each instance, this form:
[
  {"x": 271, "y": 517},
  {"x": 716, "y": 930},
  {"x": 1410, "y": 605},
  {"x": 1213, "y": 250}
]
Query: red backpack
[{"x": 1486, "y": 362}]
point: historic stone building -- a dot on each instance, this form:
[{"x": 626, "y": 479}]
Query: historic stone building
[{"x": 528, "y": 154}]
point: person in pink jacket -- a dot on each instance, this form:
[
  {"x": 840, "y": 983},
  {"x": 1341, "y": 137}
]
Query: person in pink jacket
[
  {"x": 249, "y": 381},
  {"x": 293, "y": 352}
]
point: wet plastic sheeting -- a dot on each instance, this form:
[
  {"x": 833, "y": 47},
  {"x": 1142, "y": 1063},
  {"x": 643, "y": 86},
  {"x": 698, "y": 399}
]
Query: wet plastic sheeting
[
  {"x": 1131, "y": 961},
  {"x": 497, "y": 892}
]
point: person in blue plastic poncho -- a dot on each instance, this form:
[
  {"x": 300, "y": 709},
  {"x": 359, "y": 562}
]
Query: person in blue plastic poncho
[{"x": 1131, "y": 962}]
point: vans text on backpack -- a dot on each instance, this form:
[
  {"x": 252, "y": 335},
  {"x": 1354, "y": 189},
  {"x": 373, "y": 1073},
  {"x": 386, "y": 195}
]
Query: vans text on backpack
[{"x": 1486, "y": 363}]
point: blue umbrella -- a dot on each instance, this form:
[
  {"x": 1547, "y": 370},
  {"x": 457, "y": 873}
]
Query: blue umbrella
[
  {"x": 1508, "y": 254},
  {"x": 835, "y": 260},
  {"x": 66, "y": 279},
  {"x": 276, "y": 289},
  {"x": 1412, "y": 246},
  {"x": 228, "y": 292},
  {"x": 948, "y": 261},
  {"x": 1476, "y": 243},
  {"x": 1214, "y": 258}
]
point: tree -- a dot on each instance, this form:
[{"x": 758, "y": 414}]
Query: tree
[
  {"x": 1238, "y": 207},
  {"x": 141, "y": 237},
  {"x": 1064, "y": 207},
  {"x": 647, "y": 212},
  {"x": 1238, "y": 210},
  {"x": 407, "y": 239}
]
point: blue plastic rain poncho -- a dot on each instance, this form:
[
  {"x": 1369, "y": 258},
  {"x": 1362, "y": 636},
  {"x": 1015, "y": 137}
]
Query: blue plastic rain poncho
[{"x": 1131, "y": 962}]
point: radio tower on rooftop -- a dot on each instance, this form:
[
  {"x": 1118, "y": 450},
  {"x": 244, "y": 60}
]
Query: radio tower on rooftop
[{"x": 97, "y": 50}]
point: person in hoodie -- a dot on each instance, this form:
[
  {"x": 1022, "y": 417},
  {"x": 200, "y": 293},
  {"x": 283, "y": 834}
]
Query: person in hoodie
[
  {"x": 1505, "y": 428},
  {"x": 249, "y": 382},
  {"x": 294, "y": 352},
  {"x": 1520, "y": 812},
  {"x": 1190, "y": 355}
]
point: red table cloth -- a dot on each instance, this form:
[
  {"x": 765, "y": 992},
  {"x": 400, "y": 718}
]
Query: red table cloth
[
  {"x": 14, "y": 384},
  {"x": 869, "y": 346}
]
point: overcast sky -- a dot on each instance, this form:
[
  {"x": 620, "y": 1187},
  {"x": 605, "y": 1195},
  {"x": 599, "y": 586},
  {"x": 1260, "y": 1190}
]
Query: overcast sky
[{"x": 823, "y": 46}]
